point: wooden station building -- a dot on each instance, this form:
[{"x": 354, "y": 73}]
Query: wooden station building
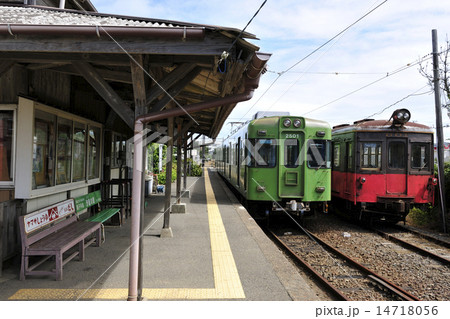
[{"x": 73, "y": 82}]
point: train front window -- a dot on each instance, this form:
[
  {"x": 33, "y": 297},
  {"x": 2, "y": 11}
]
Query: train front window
[
  {"x": 371, "y": 155},
  {"x": 420, "y": 155},
  {"x": 263, "y": 152},
  {"x": 291, "y": 152},
  {"x": 319, "y": 154},
  {"x": 397, "y": 155}
]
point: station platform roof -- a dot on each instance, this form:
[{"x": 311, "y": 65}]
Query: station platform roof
[{"x": 136, "y": 65}]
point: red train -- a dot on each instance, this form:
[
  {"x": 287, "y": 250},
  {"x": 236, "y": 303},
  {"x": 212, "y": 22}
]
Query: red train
[{"x": 383, "y": 168}]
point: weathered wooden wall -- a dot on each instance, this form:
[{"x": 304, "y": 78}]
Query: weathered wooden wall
[
  {"x": 51, "y": 88},
  {"x": 9, "y": 234},
  {"x": 12, "y": 84}
]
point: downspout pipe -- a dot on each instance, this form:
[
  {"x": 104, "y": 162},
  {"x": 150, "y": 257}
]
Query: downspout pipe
[{"x": 252, "y": 76}]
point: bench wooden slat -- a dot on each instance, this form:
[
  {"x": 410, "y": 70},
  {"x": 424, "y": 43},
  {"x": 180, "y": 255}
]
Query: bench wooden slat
[
  {"x": 104, "y": 215},
  {"x": 66, "y": 237}
]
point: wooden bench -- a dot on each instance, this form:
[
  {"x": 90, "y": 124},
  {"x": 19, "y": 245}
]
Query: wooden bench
[
  {"x": 52, "y": 231},
  {"x": 95, "y": 198}
]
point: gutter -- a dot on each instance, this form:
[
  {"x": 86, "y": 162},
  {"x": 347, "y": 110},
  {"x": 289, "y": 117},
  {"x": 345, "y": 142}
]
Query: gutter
[
  {"x": 96, "y": 30},
  {"x": 251, "y": 78}
]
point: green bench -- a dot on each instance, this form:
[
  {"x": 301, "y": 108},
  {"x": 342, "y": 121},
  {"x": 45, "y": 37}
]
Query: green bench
[{"x": 95, "y": 198}]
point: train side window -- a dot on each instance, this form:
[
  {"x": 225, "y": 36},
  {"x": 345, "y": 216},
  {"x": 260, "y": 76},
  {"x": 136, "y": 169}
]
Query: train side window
[
  {"x": 263, "y": 152},
  {"x": 291, "y": 153},
  {"x": 371, "y": 155},
  {"x": 420, "y": 155},
  {"x": 397, "y": 155},
  {"x": 336, "y": 155}
]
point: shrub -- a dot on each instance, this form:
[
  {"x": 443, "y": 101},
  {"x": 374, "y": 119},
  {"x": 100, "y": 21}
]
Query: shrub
[
  {"x": 162, "y": 176},
  {"x": 422, "y": 217},
  {"x": 196, "y": 169}
]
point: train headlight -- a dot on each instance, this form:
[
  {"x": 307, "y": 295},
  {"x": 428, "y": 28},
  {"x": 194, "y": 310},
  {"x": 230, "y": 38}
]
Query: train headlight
[
  {"x": 297, "y": 123},
  {"x": 401, "y": 116},
  {"x": 287, "y": 122},
  {"x": 320, "y": 189},
  {"x": 362, "y": 180}
]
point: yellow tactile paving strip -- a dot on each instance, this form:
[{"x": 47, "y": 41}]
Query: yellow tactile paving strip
[{"x": 226, "y": 278}]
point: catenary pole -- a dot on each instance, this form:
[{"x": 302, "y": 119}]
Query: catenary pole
[{"x": 439, "y": 131}]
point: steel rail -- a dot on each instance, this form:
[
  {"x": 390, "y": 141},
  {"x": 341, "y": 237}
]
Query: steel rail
[
  {"x": 393, "y": 287},
  {"x": 332, "y": 289},
  {"x": 412, "y": 247},
  {"x": 437, "y": 241}
]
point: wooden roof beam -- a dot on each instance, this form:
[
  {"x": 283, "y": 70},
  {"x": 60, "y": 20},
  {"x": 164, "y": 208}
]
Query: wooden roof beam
[
  {"x": 5, "y": 66},
  {"x": 139, "y": 84},
  {"x": 106, "y": 92},
  {"x": 176, "y": 89},
  {"x": 168, "y": 81}
]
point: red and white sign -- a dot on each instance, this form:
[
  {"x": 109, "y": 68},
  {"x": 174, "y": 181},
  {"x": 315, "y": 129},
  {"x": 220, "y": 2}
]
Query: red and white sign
[{"x": 48, "y": 215}]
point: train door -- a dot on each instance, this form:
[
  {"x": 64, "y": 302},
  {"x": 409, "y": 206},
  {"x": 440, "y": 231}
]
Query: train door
[
  {"x": 230, "y": 160},
  {"x": 349, "y": 176},
  {"x": 244, "y": 146},
  {"x": 396, "y": 170},
  {"x": 290, "y": 165},
  {"x": 238, "y": 162}
]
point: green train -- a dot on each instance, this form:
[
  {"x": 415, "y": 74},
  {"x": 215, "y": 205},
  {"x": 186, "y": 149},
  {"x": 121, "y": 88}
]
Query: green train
[{"x": 279, "y": 163}]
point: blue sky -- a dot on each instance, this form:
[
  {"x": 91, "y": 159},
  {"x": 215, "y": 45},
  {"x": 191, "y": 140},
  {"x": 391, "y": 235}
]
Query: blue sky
[{"x": 396, "y": 34}]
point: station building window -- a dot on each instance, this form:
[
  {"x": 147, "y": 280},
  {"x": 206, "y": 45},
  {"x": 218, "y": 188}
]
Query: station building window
[
  {"x": 118, "y": 150},
  {"x": 79, "y": 152},
  {"x": 64, "y": 151},
  {"x": 43, "y": 150},
  {"x": 94, "y": 152},
  {"x": 7, "y": 120},
  {"x": 59, "y": 151}
]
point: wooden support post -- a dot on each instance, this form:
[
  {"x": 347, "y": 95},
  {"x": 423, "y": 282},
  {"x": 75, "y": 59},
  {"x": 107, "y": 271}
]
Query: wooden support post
[
  {"x": 179, "y": 148},
  {"x": 167, "y": 232},
  {"x": 185, "y": 161}
]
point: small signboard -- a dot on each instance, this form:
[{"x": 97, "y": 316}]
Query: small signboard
[{"x": 48, "y": 215}]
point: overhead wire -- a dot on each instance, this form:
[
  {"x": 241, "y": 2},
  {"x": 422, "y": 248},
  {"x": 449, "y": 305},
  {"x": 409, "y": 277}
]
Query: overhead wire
[
  {"x": 403, "y": 68},
  {"x": 401, "y": 100},
  {"x": 312, "y": 52}
]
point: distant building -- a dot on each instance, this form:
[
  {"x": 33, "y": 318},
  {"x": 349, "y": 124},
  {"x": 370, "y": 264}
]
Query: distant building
[{"x": 446, "y": 152}]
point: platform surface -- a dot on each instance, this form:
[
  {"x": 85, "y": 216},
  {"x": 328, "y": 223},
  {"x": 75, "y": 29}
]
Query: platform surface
[{"x": 217, "y": 252}]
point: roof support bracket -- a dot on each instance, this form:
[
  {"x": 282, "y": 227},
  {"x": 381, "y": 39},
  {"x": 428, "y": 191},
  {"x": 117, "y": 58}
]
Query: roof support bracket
[{"x": 106, "y": 92}]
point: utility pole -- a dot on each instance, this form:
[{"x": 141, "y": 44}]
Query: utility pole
[{"x": 439, "y": 131}]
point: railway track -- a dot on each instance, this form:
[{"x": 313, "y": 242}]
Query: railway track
[
  {"x": 419, "y": 274},
  {"x": 343, "y": 277},
  {"x": 425, "y": 245}
]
